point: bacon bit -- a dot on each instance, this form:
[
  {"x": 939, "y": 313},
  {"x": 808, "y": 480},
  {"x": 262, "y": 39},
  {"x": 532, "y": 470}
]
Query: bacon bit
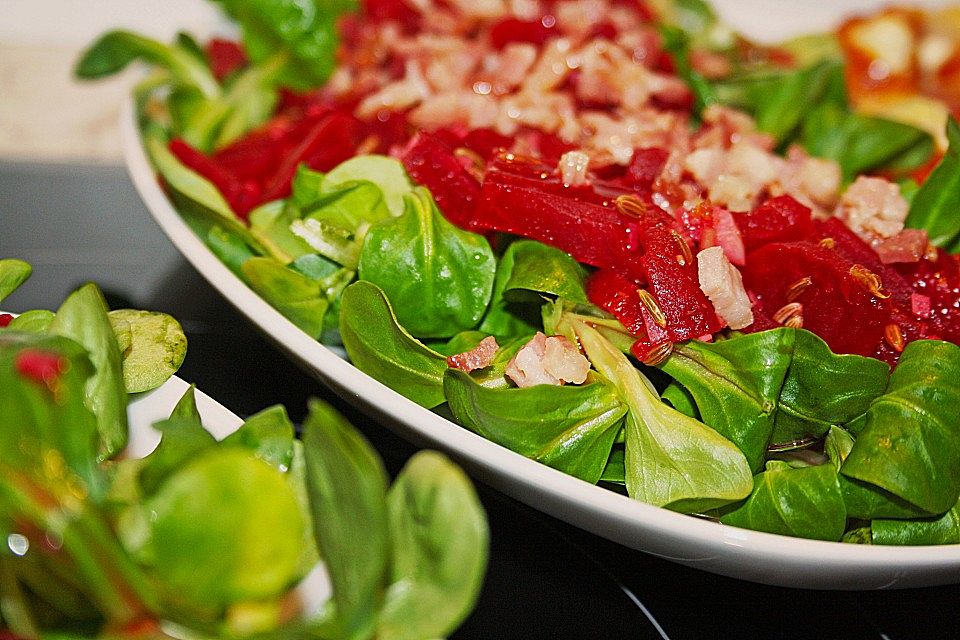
[
  {"x": 920, "y": 305},
  {"x": 828, "y": 243},
  {"x": 658, "y": 355},
  {"x": 722, "y": 283},
  {"x": 477, "y": 358},
  {"x": 870, "y": 281},
  {"x": 651, "y": 304},
  {"x": 795, "y": 290},
  {"x": 788, "y": 311},
  {"x": 873, "y": 207},
  {"x": 907, "y": 246},
  {"x": 5, "y": 319},
  {"x": 554, "y": 360},
  {"x": 893, "y": 336},
  {"x": 573, "y": 168},
  {"x": 41, "y": 366}
]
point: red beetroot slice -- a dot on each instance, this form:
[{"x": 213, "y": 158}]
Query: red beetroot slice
[
  {"x": 780, "y": 219},
  {"x": 836, "y": 305},
  {"x": 850, "y": 246},
  {"x": 255, "y": 155},
  {"x": 511, "y": 30},
  {"x": 225, "y": 57},
  {"x": 329, "y": 142},
  {"x": 433, "y": 163},
  {"x": 671, "y": 271},
  {"x": 618, "y": 296},
  {"x": 522, "y": 197}
]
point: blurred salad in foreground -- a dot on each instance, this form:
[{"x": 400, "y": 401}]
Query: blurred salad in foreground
[
  {"x": 616, "y": 238},
  {"x": 203, "y": 538}
]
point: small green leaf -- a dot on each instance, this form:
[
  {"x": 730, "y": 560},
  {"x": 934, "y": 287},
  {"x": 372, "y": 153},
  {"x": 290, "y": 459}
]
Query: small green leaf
[
  {"x": 672, "y": 460},
  {"x": 156, "y": 349},
  {"x": 381, "y": 348},
  {"x": 300, "y": 299},
  {"x": 385, "y": 172},
  {"x": 440, "y": 540},
  {"x": 943, "y": 529},
  {"x": 570, "y": 428},
  {"x": 83, "y": 317},
  {"x": 347, "y": 485},
  {"x": 527, "y": 271},
  {"x": 33, "y": 321},
  {"x": 13, "y": 273},
  {"x": 804, "y": 502},
  {"x": 936, "y": 204},
  {"x": 249, "y": 551},
  {"x": 910, "y": 444},
  {"x": 116, "y": 49},
  {"x": 438, "y": 278},
  {"x": 269, "y": 434}
]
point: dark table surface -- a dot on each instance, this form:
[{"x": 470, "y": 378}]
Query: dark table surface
[{"x": 546, "y": 579}]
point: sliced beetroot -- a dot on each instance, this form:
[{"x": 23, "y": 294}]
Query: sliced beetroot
[
  {"x": 399, "y": 11},
  {"x": 224, "y": 57},
  {"x": 486, "y": 142},
  {"x": 834, "y": 234},
  {"x": 433, "y": 163},
  {"x": 671, "y": 273},
  {"x": 644, "y": 168},
  {"x": 618, "y": 296},
  {"x": 329, "y": 142},
  {"x": 258, "y": 153},
  {"x": 511, "y": 30},
  {"x": 780, "y": 219},
  {"x": 836, "y": 303},
  {"x": 523, "y": 197}
]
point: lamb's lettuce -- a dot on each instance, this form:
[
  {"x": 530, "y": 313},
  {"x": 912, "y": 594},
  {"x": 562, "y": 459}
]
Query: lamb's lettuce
[
  {"x": 910, "y": 444},
  {"x": 935, "y": 205},
  {"x": 804, "y": 502},
  {"x": 571, "y": 428},
  {"x": 380, "y": 347},
  {"x": 671, "y": 460},
  {"x": 439, "y": 278}
]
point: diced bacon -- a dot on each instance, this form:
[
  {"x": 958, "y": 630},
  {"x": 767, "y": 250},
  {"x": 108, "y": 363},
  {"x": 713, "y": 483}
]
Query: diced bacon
[
  {"x": 480, "y": 8},
  {"x": 397, "y": 96},
  {"x": 872, "y": 208},
  {"x": 554, "y": 360},
  {"x": 723, "y": 285},
  {"x": 907, "y": 246},
  {"x": 573, "y": 168},
  {"x": 505, "y": 71},
  {"x": 813, "y": 181},
  {"x": 920, "y": 305},
  {"x": 563, "y": 360},
  {"x": 477, "y": 358},
  {"x": 734, "y": 177},
  {"x": 550, "y": 70}
]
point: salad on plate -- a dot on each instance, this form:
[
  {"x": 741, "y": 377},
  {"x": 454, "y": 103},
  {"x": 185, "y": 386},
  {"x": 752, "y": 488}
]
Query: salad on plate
[
  {"x": 614, "y": 237},
  {"x": 258, "y": 534}
]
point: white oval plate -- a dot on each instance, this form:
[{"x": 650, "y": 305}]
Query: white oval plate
[{"x": 726, "y": 550}]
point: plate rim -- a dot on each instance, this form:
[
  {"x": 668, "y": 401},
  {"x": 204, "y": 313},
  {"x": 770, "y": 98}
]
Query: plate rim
[{"x": 721, "y": 549}]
